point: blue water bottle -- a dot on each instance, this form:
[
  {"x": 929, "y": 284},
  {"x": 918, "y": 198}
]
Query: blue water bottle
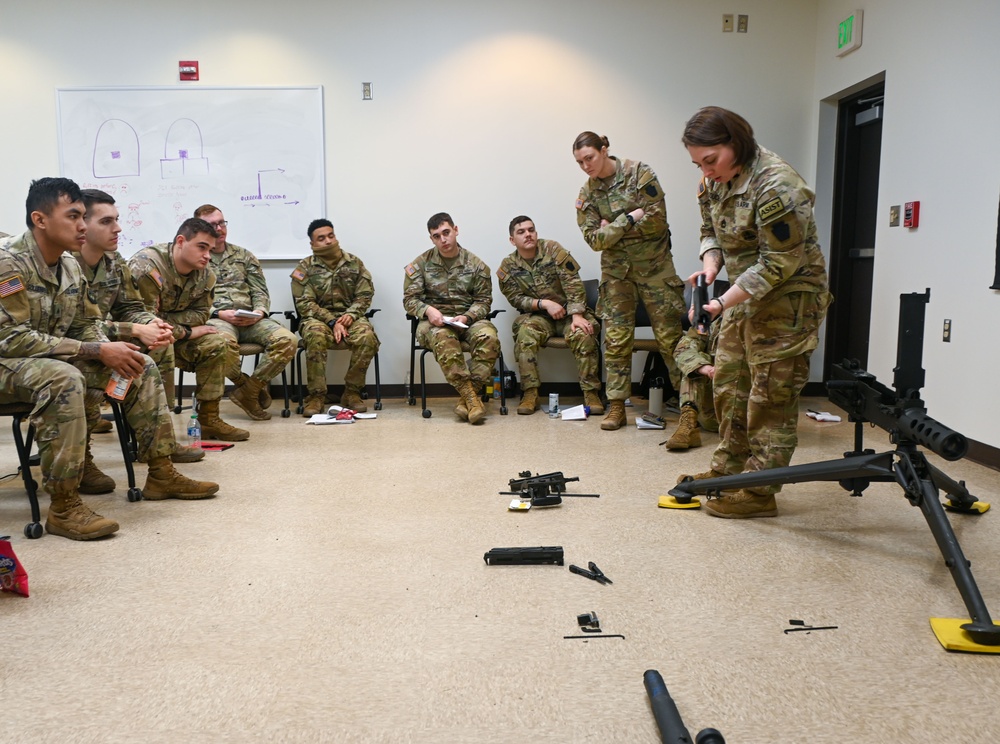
[{"x": 194, "y": 431}]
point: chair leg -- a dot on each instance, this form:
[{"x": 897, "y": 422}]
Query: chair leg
[
  {"x": 424, "y": 410},
  {"x": 180, "y": 391},
  {"x": 287, "y": 410},
  {"x": 378, "y": 386},
  {"x": 126, "y": 437},
  {"x": 298, "y": 368},
  {"x": 33, "y": 530}
]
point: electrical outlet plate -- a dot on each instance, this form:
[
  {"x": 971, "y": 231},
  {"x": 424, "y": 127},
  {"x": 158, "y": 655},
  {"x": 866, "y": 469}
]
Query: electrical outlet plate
[
  {"x": 366, "y": 91},
  {"x": 894, "y": 215},
  {"x": 946, "y": 336},
  {"x": 727, "y": 22},
  {"x": 742, "y": 22}
]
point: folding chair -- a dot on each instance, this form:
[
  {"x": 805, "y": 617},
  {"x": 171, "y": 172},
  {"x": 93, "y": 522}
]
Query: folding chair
[
  {"x": 294, "y": 321},
  {"x": 415, "y": 347},
  {"x": 19, "y": 412}
]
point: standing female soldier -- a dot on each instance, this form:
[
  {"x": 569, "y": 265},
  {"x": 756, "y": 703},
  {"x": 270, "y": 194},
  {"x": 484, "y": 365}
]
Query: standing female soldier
[
  {"x": 621, "y": 214},
  {"x": 757, "y": 219}
]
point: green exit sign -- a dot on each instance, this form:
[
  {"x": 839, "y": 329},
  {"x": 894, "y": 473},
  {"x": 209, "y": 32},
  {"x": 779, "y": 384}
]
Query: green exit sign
[{"x": 849, "y": 33}]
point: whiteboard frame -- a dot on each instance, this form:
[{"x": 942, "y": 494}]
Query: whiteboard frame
[{"x": 321, "y": 105}]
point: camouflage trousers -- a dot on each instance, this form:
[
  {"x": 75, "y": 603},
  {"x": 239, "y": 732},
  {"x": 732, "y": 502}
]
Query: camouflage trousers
[
  {"x": 697, "y": 389},
  {"x": 531, "y": 330},
  {"x": 761, "y": 366},
  {"x": 208, "y": 356},
  {"x": 447, "y": 342},
  {"x": 58, "y": 391},
  {"x": 664, "y": 304},
  {"x": 317, "y": 337},
  {"x": 279, "y": 347}
]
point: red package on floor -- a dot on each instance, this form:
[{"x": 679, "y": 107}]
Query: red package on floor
[{"x": 13, "y": 577}]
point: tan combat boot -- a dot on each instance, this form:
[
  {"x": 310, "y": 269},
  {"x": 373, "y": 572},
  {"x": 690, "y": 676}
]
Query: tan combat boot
[
  {"x": 212, "y": 427},
  {"x": 528, "y": 403},
  {"x": 264, "y": 396},
  {"x": 616, "y": 417},
  {"x": 247, "y": 397},
  {"x": 103, "y": 426},
  {"x": 69, "y": 517},
  {"x": 94, "y": 481},
  {"x": 592, "y": 399},
  {"x": 699, "y": 476},
  {"x": 313, "y": 404},
  {"x": 474, "y": 406},
  {"x": 352, "y": 399},
  {"x": 461, "y": 411},
  {"x": 688, "y": 434},
  {"x": 742, "y": 504},
  {"x": 186, "y": 453},
  {"x": 163, "y": 482}
]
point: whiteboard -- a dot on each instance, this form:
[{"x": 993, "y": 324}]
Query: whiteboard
[{"x": 161, "y": 152}]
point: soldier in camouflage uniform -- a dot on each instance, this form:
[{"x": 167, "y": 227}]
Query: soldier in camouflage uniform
[
  {"x": 621, "y": 213},
  {"x": 542, "y": 280},
  {"x": 124, "y": 318},
  {"x": 176, "y": 282},
  {"x": 695, "y": 357},
  {"x": 757, "y": 218},
  {"x": 449, "y": 282},
  {"x": 332, "y": 291},
  {"x": 52, "y": 349},
  {"x": 240, "y": 285}
]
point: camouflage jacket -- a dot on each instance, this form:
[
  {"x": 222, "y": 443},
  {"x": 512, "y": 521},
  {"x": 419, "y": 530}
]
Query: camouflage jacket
[
  {"x": 324, "y": 294},
  {"x": 239, "y": 281},
  {"x": 466, "y": 289},
  {"x": 110, "y": 287},
  {"x": 644, "y": 248},
  {"x": 553, "y": 275},
  {"x": 179, "y": 300},
  {"x": 763, "y": 222},
  {"x": 44, "y": 311}
]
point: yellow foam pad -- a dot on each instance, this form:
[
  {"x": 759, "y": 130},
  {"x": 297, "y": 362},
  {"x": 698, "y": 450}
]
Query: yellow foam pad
[
  {"x": 950, "y": 634},
  {"x": 979, "y": 507},
  {"x": 669, "y": 502}
]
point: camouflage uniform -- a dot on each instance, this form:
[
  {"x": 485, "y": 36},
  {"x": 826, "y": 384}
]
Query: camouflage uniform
[
  {"x": 552, "y": 275},
  {"x": 763, "y": 222},
  {"x": 110, "y": 288},
  {"x": 321, "y": 296},
  {"x": 635, "y": 262},
  {"x": 465, "y": 288},
  {"x": 45, "y": 316},
  {"x": 184, "y": 301},
  {"x": 240, "y": 285},
  {"x": 694, "y": 351}
]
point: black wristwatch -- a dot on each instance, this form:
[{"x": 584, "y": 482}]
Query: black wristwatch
[
  {"x": 631, "y": 220},
  {"x": 215, "y": 314}
]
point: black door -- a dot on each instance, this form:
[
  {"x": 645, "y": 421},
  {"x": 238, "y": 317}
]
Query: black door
[{"x": 855, "y": 207}]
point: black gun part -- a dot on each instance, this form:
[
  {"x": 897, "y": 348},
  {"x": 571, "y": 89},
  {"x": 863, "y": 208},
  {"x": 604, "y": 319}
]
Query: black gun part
[{"x": 524, "y": 556}]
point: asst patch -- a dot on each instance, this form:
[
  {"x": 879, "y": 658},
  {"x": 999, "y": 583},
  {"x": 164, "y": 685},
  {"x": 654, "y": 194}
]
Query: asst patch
[
  {"x": 299, "y": 275},
  {"x": 579, "y": 203},
  {"x": 410, "y": 269},
  {"x": 11, "y": 285},
  {"x": 770, "y": 209}
]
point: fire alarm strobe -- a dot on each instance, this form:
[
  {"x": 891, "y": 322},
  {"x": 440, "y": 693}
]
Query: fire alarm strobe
[{"x": 188, "y": 69}]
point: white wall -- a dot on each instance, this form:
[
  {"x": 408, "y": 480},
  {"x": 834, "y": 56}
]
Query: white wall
[
  {"x": 939, "y": 146},
  {"x": 476, "y": 107}
]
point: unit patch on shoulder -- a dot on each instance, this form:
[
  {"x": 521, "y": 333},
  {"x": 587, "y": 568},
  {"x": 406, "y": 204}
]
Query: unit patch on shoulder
[
  {"x": 299, "y": 275},
  {"x": 410, "y": 269},
  {"x": 579, "y": 203},
  {"x": 155, "y": 274},
  {"x": 571, "y": 266},
  {"x": 11, "y": 285},
  {"x": 781, "y": 231},
  {"x": 701, "y": 188},
  {"x": 652, "y": 191}
]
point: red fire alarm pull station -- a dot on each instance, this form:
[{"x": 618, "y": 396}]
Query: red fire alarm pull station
[
  {"x": 188, "y": 69},
  {"x": 911, "y": 214}
]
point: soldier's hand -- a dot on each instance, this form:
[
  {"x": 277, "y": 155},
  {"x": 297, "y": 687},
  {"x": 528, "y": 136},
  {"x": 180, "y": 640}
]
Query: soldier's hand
[
  {"x": 581, "y": 323},
  {"x": 339, "y": 332},
  {"x": 554, "y": 309},
  {"x": 153, "y": 335},
  {"x": 707, "y": 273},
  {"x": 123, "y": 357},
  {"x": 708, "y": 370},
  {"x": 434, "y": 317},
  {"x": 202, "y": 330}
]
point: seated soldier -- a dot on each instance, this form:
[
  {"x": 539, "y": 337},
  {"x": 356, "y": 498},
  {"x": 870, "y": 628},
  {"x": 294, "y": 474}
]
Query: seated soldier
[
  {"x": 123, "y": 316},
  {"x": 695, "y": 357},
  {"x": 542, "y": 280},
  {"x": 446, "y": 285},
  {"x": 240, "y": 285},
  {"x": 332, "y": 291},
  {"x": 176, "y": 282},
  {"x": 53, "y": 349}
]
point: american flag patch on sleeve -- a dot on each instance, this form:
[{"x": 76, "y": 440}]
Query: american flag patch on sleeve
[
  {"x": 11, "y": 285},
  {"x": 156, "y": 277},
  {"x": 410, "y": 269},
  {"x": 298, "y": 275}
]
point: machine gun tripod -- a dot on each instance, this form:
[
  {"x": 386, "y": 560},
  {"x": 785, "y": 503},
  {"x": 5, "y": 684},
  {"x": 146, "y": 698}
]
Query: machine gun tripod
[{"x": 902, "y": 414}]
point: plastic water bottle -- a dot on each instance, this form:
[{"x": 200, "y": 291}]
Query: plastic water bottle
[
  {"x": 496, "y": 386},
  {"x": 194, "y": 431}
]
